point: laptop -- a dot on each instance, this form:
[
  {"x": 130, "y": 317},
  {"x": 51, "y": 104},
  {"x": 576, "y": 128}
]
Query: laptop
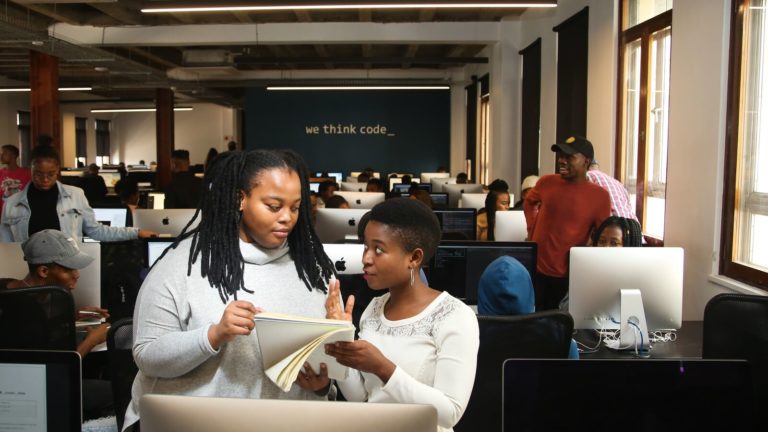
[
  {"x": 40, "y": 391},
  {"x": 88, "y": 290},
  {"x": 166, "y": 222},
  {"x": 204, "y": 414},
  {"x": 627, "y": 395}
]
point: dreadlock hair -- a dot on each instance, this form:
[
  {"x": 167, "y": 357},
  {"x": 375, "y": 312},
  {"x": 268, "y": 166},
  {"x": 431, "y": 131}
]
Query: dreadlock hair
[
  {"x": 490, "y": 210},
  {"x": 412, "y": 222},
  {"x": 216, "y": 240},
  {"x": 632, "y": 235}
]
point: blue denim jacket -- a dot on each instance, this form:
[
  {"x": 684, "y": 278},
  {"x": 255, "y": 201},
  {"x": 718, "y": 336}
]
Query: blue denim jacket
[{"x": 76, "y": 218}]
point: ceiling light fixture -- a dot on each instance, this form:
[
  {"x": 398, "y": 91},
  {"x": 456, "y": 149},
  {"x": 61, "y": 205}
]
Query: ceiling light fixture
[
  {"x": 265, "y": 8},
  {"x": 129, "y": 110},
  {"x": 286, "y": 88},
  {"x": 27, "y": 89}
]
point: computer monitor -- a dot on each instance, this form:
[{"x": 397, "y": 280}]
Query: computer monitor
[
  {"x": 115, "y": 217},
  {"x": 455, "y": 191},
  {"x": 347, "y": 258},
  {"x": 473, "y": 200},
  {"x": 458, "y": 265},
  {"x": 353, "y": 186},
  {"x": 110, "y": 178},
  {"x": 457, "y": 224},
  {"x": 156, "y": 200},
  {"x": 626, "y": 288},
  {"x": 72, "y": 173},
  {"x": 394, "y": 181},
  {"x": 336, "y": 225},
  {"x": 41, "y": 391},
  {"x": 314, "y": 187},
  {"x": 199, "y": 414},
  {"x": 640, "y": 395},
  {"x": 155, "y": 248},
  {"x": 401, "y": 188},
  {"x": 361, "y": 200},
  {"x": 426, "y": 177},
  {"x": 338, "y": 177},
  {"x": 88, "y": 290},
  {"x": 166, "y": 222},
  {"x": 439, "y": 182},
  {"x": 439, "y": 199},
  {"x": 510, "y": 226}
]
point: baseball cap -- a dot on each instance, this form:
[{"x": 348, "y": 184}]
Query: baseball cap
[
  {"x": 53, "y": 246},
  {"x": 529, "y": 182},
  {"x": 575, "y": 144}
]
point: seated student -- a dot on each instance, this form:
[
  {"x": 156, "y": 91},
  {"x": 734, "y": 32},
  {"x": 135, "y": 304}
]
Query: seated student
[
  {"x": 128, "y": 191},
  {"x": 184, "y": 189},
  {"x": 505, "y": 288},
  {"x": 417, "y": 344},
  {"x": 421, "y": 195},
  {"x": 326, "y": 190},
  {"x": 494, "y": 201},
  {"x": 461, "y": 178},
  {"x": 54, "y": 259},
  {"x": 253, "y": 249},
  {"x": 528, "y": 184},
  {"x": 93, "y": 185},
  {"x": 336, "y": 201},
  {"x": 374, "y": 185},
  {"x": 363, "y": 177}
]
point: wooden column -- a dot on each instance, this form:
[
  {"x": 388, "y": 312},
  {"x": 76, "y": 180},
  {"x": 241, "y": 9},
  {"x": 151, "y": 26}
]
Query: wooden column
[
  {"x": 44, "y": 100},
  {"x": 164, "y": 127}
]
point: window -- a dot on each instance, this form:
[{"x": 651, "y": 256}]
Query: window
[
  {"x": 25, "y": 136},
  {"x": 80, "y": 141},
  {"x": 744, "y": 252},
  {"x": 484, "y": 130},
  {"x": 645, "y": 51},
  {"x": 102, "y": 141}
]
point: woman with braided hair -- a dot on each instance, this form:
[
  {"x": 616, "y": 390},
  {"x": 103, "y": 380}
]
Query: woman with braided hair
[
  {"x": 254, "y": 249},
  {"x": 617, "y": 231}
]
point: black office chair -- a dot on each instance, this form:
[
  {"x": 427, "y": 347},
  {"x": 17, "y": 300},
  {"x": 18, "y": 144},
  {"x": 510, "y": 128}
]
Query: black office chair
[
  {"x": 122, "y": 367},
  {"x": 41, "y": 318},
  {"x": 538, "y": 335}
]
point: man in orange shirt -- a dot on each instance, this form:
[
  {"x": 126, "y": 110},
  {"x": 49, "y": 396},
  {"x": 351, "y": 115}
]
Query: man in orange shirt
[{"x": 561, "y": 211}]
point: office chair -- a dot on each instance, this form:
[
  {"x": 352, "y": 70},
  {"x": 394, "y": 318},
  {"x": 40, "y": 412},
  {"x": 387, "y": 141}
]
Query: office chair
[
  {"x": 121, "y": 365},
  {"x": 37, "y": 318},
  {"x": 538, "y": 335}
]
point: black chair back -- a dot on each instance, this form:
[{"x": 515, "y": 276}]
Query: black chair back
[
  {"x": 37, "y": 318},
  {"x": 539, "y": 335},
  {"x": 121, "y": 365}
]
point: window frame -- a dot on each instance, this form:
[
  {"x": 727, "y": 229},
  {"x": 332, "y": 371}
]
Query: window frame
[
  {"x": 642, "y": 31},
  {"x": 728, "y": 267}
]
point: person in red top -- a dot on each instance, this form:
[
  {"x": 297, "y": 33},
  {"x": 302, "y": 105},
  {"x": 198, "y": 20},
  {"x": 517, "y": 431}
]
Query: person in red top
[
  {"x": 13, "y": 178},
  {"x": 561, "y": 211}
]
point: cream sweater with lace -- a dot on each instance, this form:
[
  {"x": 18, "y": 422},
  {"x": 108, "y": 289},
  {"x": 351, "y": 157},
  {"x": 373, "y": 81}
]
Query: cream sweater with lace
[{"x": 435, "y": 353}]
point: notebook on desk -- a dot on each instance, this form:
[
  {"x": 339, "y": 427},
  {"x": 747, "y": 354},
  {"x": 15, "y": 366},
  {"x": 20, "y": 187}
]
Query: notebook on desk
[
  {"x": 40, "y": 391},
  {"x": 627, "y": 395}
]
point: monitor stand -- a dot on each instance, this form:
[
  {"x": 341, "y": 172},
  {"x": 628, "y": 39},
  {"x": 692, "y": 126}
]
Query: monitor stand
[{"x": 633, "y": 324}]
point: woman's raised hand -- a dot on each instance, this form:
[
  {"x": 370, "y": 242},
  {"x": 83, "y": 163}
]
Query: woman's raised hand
[{"x": 334, "y": 309}]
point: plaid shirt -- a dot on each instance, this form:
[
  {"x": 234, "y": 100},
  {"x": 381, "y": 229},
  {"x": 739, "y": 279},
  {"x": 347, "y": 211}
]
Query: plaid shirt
[{"x": 620, "y": 205}]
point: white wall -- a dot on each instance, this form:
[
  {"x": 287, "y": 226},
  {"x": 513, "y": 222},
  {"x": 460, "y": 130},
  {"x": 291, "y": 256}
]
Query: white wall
[
  {"x": 206, "y": 126},
  {"x": 10, "y": 104}
]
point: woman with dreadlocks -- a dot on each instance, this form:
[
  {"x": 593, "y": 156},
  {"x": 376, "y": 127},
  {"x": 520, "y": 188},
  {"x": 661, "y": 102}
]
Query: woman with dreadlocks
[
  {"x": 618, "y": 232},
  {"x": 254, "y": 249}
]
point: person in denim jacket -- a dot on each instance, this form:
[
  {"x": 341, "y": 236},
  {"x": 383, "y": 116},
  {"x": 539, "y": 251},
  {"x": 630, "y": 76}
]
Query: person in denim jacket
[{"x": 56, "y": 206}]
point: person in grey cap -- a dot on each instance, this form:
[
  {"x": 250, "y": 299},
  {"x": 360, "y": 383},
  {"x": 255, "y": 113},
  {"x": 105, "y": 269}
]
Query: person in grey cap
[
  {"x": 54, "y": 259},
  {"x": 561, "y": 211}
]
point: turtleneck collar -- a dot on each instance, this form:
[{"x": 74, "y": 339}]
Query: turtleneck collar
[{"x": 255, "y": 254}]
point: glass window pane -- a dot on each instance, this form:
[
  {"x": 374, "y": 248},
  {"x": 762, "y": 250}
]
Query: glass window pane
[
  {"x": 637, "y": 11},
  {"x": 751, "y": 207},
  {"x": 657, "y": 133},
  {"x": 630, "y": 122}
]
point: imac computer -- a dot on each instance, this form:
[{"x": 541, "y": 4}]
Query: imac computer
[
  {"x": 439, "y": 199},
  {"x": 198, "y": 414},
  {"x": 472, "y": 200},
  {"x": 455, "y": 191},
  {"x": 393, "y": 181},
  {"x": 439, "y": 182},
  {"x": 338, "y": 177},
  {"x": 115, "y": 217},
  {"x": 347, "y": 258},
  {"x": 336, "y": 225},
  {"x": 110, "y": 178},
  {"x": 155, "y": 247},
  {"x": 352, "y": 186},
  {"x": 314, "y": 187},
  {"x": 362, "y": 200},
  {"x": 634, "y": 289},
  {"x": 457, "y": 224},
  {"x": 166, "y": 222},
  {"x": 88, "y": 291},
  {"x": 458, "y": 265},
  {"x": 156, "y": 200},
  {"x": 510, "y": 226},
  {"x": 427, "y": 177},
  {"x": 405, "y": 187}
]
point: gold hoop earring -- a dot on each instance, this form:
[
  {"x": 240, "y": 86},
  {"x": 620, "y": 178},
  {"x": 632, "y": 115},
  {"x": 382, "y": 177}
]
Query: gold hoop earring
[{"x": 411, "y": 271}]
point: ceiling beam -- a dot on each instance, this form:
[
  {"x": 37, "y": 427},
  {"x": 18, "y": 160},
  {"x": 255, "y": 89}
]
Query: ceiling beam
[
  {"x": 302, "y": 15},
  {"x": 54, "y": 14},
  {"x": 410, "y": 52},
  {"x": 427, "y": 14},
  {"x": 125, "y": 12},
  {"x": 243, "y": 17},
  {"x": 148, "y": 55},
  {"x": 243, "y": 60}
]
